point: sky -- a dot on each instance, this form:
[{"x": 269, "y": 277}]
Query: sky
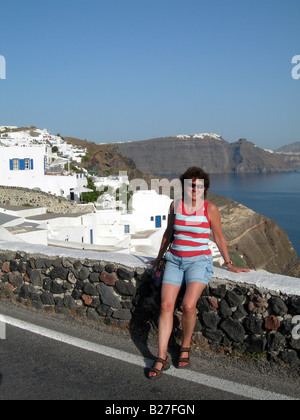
[{"x": 126, "y": 70}]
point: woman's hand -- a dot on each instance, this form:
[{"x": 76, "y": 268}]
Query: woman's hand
[
  {"x": 234, "y": 269},
  {"x": 154, "y": 263}
]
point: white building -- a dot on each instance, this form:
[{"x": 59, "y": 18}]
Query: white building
[
  {"x": 109, "y": 186},
  {"x": 14, "y": 226},
  {"x": 149, "y": 211},
  {"x": 7, "y": 127},
  {"x": 35, "y": 136},
  {"x": 112, "y": 181},
  {"x": 102, "y": 231},
  {"x": 25, "y": 167},
  {"x": 147, "y": 221}
]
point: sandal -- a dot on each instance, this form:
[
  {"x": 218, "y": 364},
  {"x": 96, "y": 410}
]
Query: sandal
[
  {"x": 165, "y": 366},
  {"x": 186, "y": 360}
]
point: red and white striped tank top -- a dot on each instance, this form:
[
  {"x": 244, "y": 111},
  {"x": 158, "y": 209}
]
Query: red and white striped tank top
[{"x": 191, "y": 232}]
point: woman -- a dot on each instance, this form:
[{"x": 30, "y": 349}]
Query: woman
[{"x": 189, "y": 259}]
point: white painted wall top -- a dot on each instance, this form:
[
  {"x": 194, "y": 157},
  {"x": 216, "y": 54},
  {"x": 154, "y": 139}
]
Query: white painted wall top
[{"x": 260, "y": 279}]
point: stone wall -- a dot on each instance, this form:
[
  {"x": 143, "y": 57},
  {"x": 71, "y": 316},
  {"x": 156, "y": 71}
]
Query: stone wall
[
  {"x": 17, "y": 196},
  {"x": 232, "y": 316}
]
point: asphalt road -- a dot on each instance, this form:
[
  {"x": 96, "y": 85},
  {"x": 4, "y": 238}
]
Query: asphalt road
[{"x": 56, "y": 358}]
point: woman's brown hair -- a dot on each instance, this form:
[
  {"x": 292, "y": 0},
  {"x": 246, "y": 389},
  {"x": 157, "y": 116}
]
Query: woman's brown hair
[{"x": 196, "y": 173}]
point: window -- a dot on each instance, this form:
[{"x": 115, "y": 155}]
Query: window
[
  {"x": 27, "y": 164},
  {"x": 14, "y": 164},
  {"x": 126, "y": 229},
  {"x": 21, "y": 164}
]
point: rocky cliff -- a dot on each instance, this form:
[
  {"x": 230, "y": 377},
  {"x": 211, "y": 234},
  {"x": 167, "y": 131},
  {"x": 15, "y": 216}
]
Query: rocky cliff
[
  {"x": 106, "y": 159},
  {"x": 172, "y": 155},
  {"x": 258, "y": 239}
]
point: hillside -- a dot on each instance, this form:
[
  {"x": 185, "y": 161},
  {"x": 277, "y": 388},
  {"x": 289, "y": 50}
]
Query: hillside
[
  {"x": 290, "y": 148},
  {"x": 290, "y": 154},
  {"x": 106, "y": 159},
  {"x": 261, "y": 242},
  {"x": 171, "y": 156}
]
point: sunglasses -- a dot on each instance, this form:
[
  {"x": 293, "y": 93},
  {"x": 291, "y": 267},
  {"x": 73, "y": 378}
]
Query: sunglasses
[{"x": 198, "y": 186}]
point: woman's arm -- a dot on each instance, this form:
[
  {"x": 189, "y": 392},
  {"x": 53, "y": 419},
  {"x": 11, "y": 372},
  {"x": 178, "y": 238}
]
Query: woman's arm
[
  {"x": 219, "y": 238},
  {"x": 166, "y": 237}
]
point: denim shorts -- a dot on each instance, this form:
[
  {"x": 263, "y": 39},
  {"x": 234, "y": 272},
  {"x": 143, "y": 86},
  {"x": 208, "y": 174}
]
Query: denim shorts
[{"x": 188, "y": 269}]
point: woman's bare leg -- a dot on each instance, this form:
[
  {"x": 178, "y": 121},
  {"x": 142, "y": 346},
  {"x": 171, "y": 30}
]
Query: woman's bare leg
[
  {"x": 192, "y": 295},
  {"x": 169, "y": 296}
]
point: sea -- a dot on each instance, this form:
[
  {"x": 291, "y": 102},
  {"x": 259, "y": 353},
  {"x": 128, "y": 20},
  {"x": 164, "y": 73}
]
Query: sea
[{"x": 276, "y": 196}]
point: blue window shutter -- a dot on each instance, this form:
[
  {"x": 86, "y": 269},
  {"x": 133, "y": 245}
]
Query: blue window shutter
[
  {"x": 11, "y": 164},
  {"x": 22, "y": 164},
  {"x": 31, "y": 166}
]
